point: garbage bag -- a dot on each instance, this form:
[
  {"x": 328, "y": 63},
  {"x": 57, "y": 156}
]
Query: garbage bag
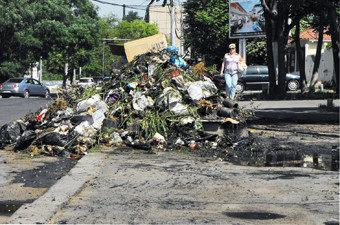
[
  {"x": 201, "y": 89},
  {"x": 11, "y": 132},
  {"x": 115, "y": 138},
  {"x": 94, "y": 101},
  {"x": 178, "y": 61},
  {"x": 225, "y": 112},
  {"x": 172, "y": 99},
  {"x": 143, "y": 146},
  {"x": 109, "y": 123},
  {"x": 53, "y": 139},
  {"x": 25, "y": 139},
  {"x": 229, "y": 103},
  {"x": 172, "y": 49},
  {"x": 98, "y": 117},
  {"x": 141, "y": 102},
  {"x": 179, "y": 82},
  {"x": 85, "y": 129},
  {"x": 4, "y": 136},
  {"x": 151, "y": 70},
  {"x": 195, "y": 91},
  {"x": 78, "y": 119}
]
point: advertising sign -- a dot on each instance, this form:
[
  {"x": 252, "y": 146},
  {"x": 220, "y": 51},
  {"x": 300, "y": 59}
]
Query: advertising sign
[{"x": 246, "y": 19}]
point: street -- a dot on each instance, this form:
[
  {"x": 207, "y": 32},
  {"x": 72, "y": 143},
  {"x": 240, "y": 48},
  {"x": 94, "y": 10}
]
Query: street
[
  {"x": 124, "y": 185},
  {"x": 175, "y": 188},
  {"x": 16, "y": 107}
]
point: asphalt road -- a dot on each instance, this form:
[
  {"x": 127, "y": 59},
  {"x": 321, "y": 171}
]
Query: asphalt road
[{"x": 14, "y": 108}]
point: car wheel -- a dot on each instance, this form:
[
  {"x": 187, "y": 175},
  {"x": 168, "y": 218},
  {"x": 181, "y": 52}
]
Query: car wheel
[
  {"x": 47, "y": 94},
  {"x": 240, "y": 88},
  {"x": 293, "y": 85},
  {"x": 26, "y": 94},
  {"x": 5, "y": 96}
]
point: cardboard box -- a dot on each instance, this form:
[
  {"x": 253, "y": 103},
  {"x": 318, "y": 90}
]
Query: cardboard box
[{"x": 137, "y": 47}]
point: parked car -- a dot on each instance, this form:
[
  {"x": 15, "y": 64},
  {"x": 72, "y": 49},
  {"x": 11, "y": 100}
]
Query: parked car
[
  {"x": 256, "y": 78},
  {"x": 98, "y": 80},
  {"x": 25, "y": 87},
  {"x": 107, "y": 79},
  {"x": 86, "y": 82}
]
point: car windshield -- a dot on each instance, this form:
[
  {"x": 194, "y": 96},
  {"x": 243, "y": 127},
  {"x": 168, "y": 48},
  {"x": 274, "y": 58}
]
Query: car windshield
[
  {"x": 85, "y": 80},
  {"x": 15, "y": 80}
]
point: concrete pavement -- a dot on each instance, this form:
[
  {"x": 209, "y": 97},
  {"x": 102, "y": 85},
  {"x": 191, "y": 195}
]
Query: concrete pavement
[
  {"x": 168, "y": 188},
  {"x": 318, "y": 205}
]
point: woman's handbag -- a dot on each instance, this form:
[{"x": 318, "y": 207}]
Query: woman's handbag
[{"x": 241, "y": 67}]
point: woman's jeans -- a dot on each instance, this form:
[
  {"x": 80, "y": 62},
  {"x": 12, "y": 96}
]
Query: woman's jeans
[{"x": 231, "y": 83}]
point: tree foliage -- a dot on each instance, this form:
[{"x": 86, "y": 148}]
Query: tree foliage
[
  {"x": 207, "y": 30},
  {"x": 32, "y": 29},
  {"x": 131, "y": 16},
  {"x": 135, "y": 29}
]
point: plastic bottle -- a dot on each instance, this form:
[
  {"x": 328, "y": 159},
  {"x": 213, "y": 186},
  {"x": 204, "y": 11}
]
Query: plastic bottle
[{"x": 192, "y": 145}]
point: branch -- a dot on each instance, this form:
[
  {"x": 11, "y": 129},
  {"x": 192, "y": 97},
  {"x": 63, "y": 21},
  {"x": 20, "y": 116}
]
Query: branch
[{"x": 266, "y": 8}]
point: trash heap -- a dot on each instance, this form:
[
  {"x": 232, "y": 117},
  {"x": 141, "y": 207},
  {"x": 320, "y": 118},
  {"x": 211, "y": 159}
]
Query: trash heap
[{"x": 157, "y": 101}]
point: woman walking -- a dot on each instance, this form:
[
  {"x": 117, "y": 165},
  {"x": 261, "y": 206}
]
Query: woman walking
[{"x": 229, "y": 70}]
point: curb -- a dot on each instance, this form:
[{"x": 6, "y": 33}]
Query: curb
[
  {"x": 303, "y": 116},
  {"x": 42, "y": 210}
]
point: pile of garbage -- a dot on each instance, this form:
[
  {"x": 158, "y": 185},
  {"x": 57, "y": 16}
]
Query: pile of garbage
[{"x": 157, "y": 101}]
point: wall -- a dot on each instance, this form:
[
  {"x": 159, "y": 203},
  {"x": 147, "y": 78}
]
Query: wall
[
  {"x": 162, "y": 17},
  {"x": 326, "y": 68}
]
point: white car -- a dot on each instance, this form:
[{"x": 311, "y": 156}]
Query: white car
[{"x": 86, "y": 82}]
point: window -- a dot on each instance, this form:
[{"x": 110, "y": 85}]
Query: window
[
  {"x": 263, "y": 69},
  {"x": 251, "y": 70}
]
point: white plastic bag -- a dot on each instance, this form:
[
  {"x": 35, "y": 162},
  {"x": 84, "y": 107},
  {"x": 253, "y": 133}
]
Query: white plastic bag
[{"x": 141, "y": 102}]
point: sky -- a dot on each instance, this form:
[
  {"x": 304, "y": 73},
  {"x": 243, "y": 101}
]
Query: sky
[{"x": 116, "y": 6}]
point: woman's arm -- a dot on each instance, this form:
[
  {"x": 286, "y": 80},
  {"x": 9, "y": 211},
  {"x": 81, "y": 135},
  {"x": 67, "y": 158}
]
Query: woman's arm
[
  {"x": 242, "y": 60},
  {"x": 222, "y": 67}
]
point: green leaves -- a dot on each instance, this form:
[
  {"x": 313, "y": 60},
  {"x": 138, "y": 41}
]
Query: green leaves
[
  {"x": 31, "y": 29},
  {"x": 135, "y": 29},
  {"x": 207, "y": 30}
]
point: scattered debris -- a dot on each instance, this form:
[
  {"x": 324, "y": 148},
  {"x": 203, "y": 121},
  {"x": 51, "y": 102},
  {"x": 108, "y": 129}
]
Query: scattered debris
[{"x": 156, "y": 101}]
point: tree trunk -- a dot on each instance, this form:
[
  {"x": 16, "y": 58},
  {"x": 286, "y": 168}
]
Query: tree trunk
[
  {"x": 315, "y": 74},
  {"x": 281, "y": 51},
  {"x": 270, "y": 34},
  {"x": 65, "y": 72},
  {"x": 300, "y": 60},
  {"x": 334, "y": 28}
]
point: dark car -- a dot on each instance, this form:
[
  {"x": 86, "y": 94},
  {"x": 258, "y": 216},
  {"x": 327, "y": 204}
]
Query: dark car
[
  {"x": 25, "y": 87},
  {"x": 256, "y": 78},
  {"x": 98, "y": 80}
]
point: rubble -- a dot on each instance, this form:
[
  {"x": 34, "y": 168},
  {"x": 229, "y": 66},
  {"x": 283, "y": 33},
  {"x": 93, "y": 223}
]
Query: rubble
[{"x": 157, "y": 101}]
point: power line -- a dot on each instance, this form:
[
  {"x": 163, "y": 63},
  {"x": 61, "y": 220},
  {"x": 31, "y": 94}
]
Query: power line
[{"x": 136, "y": 7}]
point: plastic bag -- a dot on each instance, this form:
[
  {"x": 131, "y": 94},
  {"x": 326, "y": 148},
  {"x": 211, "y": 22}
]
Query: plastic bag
[
  {"x": 141, "y": 102},
  {"x": 25, "y": 139},
  {"x": 94, "y": 101}
]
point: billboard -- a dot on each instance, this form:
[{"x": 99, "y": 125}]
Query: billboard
[{"x": 246, "y": 19}]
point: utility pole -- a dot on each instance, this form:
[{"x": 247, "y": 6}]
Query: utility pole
[
  {"x": 123, "y": 11},
  {"x": 242, "y": 45},
  {"x": 103, "y": 57},
  {"x": 173, "y": 25}
]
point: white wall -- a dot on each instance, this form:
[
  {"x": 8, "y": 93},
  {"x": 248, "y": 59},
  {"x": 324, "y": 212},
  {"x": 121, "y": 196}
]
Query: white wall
[{"x": 326, "y": 68}]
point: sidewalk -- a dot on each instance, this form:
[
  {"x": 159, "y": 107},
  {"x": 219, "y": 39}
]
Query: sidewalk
[{"x": 294, "y": 110}]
